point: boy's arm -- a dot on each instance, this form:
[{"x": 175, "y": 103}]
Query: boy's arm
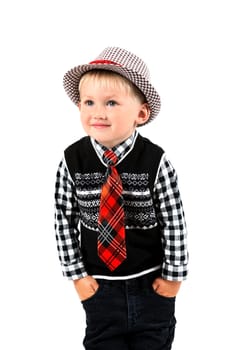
[
  {"x": 166, "y": 288},
  {"x": 66, "y": 225},
  {"x": 173, "y": 227},
  {"x": 86, "y": 287}
]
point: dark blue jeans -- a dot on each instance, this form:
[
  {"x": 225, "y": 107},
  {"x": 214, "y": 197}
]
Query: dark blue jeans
[{"x": 129, "y": 315}]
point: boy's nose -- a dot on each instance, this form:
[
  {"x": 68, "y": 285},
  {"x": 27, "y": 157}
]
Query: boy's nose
[{"x": 100, "y": 113}]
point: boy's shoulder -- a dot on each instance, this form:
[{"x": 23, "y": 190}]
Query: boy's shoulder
[
  {"x": 79, "y": 149},
  {"x": 84, "y": 141},
  {"x": 151, "y": 146}
]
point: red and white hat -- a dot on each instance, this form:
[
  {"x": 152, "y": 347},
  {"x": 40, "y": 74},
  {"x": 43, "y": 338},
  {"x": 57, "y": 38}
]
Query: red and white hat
[{"x": 122, "y": 62}]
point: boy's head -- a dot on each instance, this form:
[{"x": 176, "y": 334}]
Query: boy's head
[
  {"x": 124, "y": 63},
  {"x": 105, "y": 78},
  {"x": 111, "y": 107}
]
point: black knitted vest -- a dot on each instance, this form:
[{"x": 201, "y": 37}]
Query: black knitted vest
[{"x": 138, "y": 171}]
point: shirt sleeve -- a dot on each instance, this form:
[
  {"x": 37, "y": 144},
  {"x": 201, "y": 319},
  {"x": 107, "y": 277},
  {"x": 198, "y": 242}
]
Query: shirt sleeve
[
  {"x": 171, "y": 219},
  {"x": 66, "y": 225}
]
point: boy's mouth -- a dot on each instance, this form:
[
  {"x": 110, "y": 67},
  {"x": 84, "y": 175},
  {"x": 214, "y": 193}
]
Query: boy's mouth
[{"x": 100, "y": 125}]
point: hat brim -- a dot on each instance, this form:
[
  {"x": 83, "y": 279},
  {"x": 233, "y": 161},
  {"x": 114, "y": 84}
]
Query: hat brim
[{"x": 72, "y": 78}]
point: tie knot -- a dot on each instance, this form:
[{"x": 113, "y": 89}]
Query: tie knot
[{"x": 110, "y": 157}]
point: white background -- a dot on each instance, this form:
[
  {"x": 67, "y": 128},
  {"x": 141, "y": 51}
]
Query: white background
[{"x": 188, "y": 46}]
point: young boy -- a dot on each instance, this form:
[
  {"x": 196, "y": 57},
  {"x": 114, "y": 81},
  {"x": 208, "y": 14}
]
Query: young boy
[{"x": 120, "y": 226}]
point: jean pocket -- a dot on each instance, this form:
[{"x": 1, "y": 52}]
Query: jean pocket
[
  {"x": 163, "y": 296},
  {"x": 93, "y": 296}
]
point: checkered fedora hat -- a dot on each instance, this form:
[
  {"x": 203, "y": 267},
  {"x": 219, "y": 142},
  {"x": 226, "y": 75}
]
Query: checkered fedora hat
[{"x": 122, "y": 62}]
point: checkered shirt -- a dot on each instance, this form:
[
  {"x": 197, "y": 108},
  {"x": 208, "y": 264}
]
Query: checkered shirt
[{"x": 169, "y": 211}]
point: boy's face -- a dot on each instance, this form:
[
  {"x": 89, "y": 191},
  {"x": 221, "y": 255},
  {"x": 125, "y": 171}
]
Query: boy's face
[{"x": 110, "y": 113}]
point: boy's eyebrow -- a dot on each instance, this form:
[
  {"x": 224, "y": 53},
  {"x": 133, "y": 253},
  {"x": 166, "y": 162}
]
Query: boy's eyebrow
[
  {"x": 108, "y": 97},
  {"x": 111, "y": 97},
  {"x": 86, "y": 96}
]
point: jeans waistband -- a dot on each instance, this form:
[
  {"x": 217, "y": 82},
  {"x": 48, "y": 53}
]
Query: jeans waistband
[{"x": 140, "y": 281}]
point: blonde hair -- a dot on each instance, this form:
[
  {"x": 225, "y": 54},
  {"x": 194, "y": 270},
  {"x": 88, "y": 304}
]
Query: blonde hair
[{"x": 108, "y": 78}]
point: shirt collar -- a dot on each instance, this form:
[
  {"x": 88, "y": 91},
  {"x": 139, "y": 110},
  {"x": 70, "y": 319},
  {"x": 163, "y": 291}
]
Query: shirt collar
[{"x": 120, "y": 150}]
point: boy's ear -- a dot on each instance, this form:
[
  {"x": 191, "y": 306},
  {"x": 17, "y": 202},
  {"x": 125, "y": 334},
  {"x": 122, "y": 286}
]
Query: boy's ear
[
  {"x": 78, "y": 105},
  {"x": 144, "y": 114}
]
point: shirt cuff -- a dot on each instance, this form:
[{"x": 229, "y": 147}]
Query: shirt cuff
[
  {"x": 174, "y": 273},
  {"x": 74, "y": 271}
]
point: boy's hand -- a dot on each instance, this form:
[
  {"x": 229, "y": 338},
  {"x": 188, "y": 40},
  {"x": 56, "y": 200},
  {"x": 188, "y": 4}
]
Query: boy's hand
[
  {"x": 166, "y": 288},
  {"x": 86, "y": 287}
]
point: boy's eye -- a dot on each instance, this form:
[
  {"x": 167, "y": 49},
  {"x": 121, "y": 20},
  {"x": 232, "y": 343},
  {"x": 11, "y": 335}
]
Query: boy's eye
[
  {"x": 111, "y": 103},
  {"x": 88, "y": 102}
]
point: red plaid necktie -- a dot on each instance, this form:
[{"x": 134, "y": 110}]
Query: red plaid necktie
[{"x": 111, "y": 238}]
